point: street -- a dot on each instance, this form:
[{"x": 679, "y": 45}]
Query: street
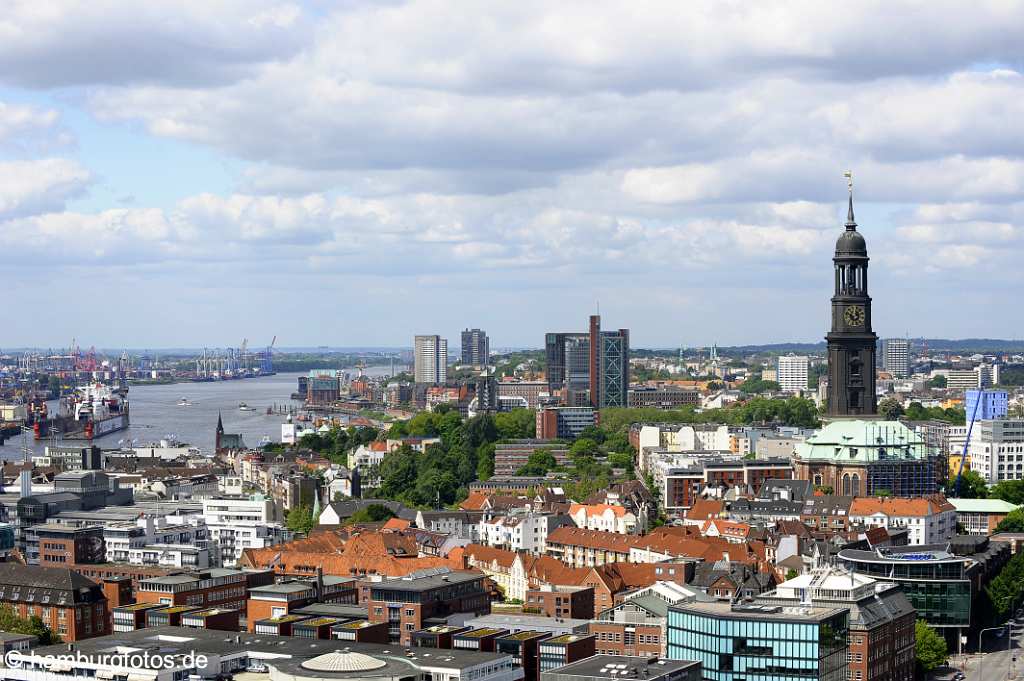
[{"x": 997, "y": 664}]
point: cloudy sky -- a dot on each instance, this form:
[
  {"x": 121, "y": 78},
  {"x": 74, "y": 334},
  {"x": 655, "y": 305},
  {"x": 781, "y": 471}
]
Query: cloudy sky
[{"x": 352, "y": 173}]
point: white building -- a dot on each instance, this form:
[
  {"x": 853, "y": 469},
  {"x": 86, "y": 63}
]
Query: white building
[
  {"x": 516, "y": 532},
  {"x": 896, "y": 357},
  {"x": 121, "y": 539},
  {"x": 996, "y": 450},
  {"x": 928, "y": 520},
  {"x": 604, "y": 518},
  {"x": 792, "y": 371},
  {"x": 239, "y": 524},
  {"x": 430, "y": 359},
  {"x": 174, "y": 556}
]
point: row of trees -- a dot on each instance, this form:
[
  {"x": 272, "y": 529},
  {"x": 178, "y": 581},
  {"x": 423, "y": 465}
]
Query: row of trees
[
  {"x": 891, "y": 409},
  {"x": 11, "y": 623},
  {"x": 793, "y": 411}
]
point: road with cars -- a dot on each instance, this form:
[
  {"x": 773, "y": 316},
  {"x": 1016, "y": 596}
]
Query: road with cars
[{"x": 1003, "y": 658}]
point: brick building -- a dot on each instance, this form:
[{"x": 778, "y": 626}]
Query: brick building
[
  {"x": 574, "y": 602},
  {"x": 220, "y": 587},
  {"x": 408, "y": 603},
  {"x": 71, "y": 605},
  {"x": 62, "y": 545},
  {"x": 510, "y": 456},
  {"x": 882, "y": 640},
  {"x": 271, "y": 601}
]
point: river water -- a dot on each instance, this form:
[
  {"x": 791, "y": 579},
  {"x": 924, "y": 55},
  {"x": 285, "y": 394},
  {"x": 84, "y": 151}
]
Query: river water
[{"x": 155, "y": 413}]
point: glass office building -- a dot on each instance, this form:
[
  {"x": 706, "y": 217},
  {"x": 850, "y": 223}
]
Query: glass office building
[
  {"x": 760, "y": 642},
  {"x": 936, "y": 581}
]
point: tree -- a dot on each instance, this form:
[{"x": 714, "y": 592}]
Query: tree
[
  {"x": 621, "y": 460},
  {"x": 791, "y": 574},
  {"x": 937, "y": 382},
  {"x": 890, "y": 409},
  {"x": 883, "y": 493},
  {"x": 374, "y": 513},
  {"x": 972, "y": 486},
  {"x": 931, "y": 648},
  {"x": 583, "y": 447},
  {"x": 516, "y": 424},
  {"x": 10, "y": 622},
  {"x": 540, "y": 462},
  {"x": 1007, "y": 586},
  {"x": 300, "y": 520},
  {"x": 485, "y": 461},
  {"x": 1008, "y": 490},
  {"x": 1013, "y": 522},
  {"x": 594, "y": 433},
  {"x": 757, "y": 385}
]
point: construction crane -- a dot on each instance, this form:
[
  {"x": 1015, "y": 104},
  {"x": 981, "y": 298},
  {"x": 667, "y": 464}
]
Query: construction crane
[
  {"x": 267, "y": 361},
  {"x": 967, "y": 442}
]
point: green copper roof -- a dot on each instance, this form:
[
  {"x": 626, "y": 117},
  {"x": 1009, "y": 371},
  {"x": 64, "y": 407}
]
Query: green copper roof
[
  {"x": 982, "y": 505},
  {"x": 857, "y": 441}
]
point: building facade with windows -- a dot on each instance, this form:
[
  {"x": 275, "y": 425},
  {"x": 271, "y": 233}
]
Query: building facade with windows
[
  {"x": 791, "y": 373},
  {"x": 405, "y": 603},
  {"x": 986, "y": 405},
  {"x": 772, "y": 643},
  {"x": 476, "y": 348},
  {"x": 430, "y": 359},
  {"x": 72, "y": 606},
  {"x": 996, "y": 450},
  {"x": 896, "y": 357}
]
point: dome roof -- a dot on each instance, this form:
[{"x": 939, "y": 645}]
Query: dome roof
[
  {"x": 342, "y": 661},
  {"x": 851, "y": 243}
]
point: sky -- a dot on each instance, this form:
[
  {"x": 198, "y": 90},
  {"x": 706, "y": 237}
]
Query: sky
[{"x": 353, "y": 173}]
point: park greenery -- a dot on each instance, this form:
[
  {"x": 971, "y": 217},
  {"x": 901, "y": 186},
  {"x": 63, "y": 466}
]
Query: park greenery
[
  {"x": 441, "y": 474},
  {"x": 11, "y": 623}
]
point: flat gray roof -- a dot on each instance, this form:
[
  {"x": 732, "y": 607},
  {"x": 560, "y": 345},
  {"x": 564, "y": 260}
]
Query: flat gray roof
[
  {"x": 756, "y": 611},
  {"x": 600, "y": 666},
  {"x": 180, "y": 641}
]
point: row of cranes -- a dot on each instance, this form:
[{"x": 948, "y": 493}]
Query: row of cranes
[{"x": 240, "y": 361}]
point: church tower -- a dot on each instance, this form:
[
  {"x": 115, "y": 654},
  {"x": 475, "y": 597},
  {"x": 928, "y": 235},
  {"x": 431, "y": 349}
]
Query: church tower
[{"x": 851, "y": 342}]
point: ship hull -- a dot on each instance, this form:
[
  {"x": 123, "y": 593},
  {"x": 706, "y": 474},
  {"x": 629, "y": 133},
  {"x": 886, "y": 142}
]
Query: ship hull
[{"x": 100, "y": 428}]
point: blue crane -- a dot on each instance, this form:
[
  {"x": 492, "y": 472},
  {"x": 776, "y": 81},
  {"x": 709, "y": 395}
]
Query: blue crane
[{"x": 967, "y": 442}]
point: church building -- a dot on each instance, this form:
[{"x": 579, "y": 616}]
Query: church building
[{"x": 857, "y": 453}]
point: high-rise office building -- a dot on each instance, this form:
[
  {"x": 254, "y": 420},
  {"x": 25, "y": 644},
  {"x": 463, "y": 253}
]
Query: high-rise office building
[
  {"x": 896, "y": 357},
  {"x": 592, "y": 367},
  {"x": 431, "y": 359},
  {"x": 791, "y": 373},
  {"x": 476, "y": 348},
  {"x": 609, "y": 366}
]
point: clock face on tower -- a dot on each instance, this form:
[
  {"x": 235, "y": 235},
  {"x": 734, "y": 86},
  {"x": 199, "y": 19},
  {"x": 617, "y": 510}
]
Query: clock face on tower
[{"x": 854, "y": 315}]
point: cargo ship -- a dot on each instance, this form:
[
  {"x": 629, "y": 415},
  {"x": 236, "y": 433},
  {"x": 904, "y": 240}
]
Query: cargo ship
[{"x": 88, "y": 413}]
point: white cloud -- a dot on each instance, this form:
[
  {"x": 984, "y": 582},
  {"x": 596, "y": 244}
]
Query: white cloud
[
  {"x": 82, "y": 42},
  {"x": 561, "y": 150},
  {"x": 28, "y": 187}
]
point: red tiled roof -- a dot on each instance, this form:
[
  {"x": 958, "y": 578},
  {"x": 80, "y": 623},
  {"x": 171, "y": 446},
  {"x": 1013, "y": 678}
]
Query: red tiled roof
[{"x": 919, "y": 507}]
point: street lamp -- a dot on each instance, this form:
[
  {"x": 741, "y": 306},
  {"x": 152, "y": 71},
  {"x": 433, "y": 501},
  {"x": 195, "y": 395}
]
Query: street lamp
[{"x": 981, "y": 654}]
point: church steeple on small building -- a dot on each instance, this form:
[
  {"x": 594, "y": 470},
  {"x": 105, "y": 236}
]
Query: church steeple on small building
[{"x": 851, "y": 342}]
